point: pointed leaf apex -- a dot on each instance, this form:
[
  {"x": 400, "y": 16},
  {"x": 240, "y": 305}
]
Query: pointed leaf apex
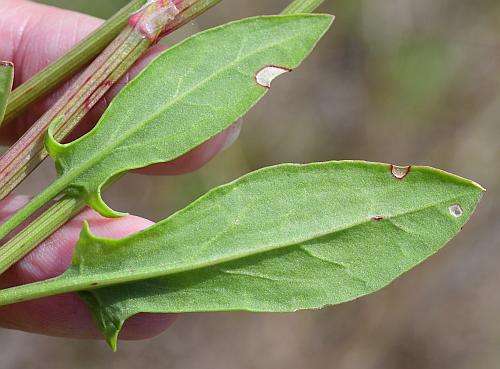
[{"x": 112, "y": 341}]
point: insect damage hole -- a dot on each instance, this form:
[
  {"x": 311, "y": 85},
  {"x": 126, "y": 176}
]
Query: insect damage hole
[
  {"x": 400, "y": 172},
  {"x": 266, "y": 75},
  {"x": 456, "y": 210}
]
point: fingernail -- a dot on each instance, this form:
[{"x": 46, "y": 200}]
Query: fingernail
[{"x": 232, "y": 134}]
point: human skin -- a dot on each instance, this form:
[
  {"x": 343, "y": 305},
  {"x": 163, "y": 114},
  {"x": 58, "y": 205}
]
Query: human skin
[{"x": 33, "y": 35}]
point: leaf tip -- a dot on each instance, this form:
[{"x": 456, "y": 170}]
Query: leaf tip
[
  {"x": 330, "y": 18},
  {"x": 113, "y": 342},
  {"x": 477, "y": 185}
]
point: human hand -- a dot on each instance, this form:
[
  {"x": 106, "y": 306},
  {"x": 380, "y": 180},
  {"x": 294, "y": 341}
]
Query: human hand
[{"x": 34, "y": 35}]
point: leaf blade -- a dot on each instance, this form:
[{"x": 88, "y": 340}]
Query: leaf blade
[
  {"x": 280, "y": 239},
  {"x": 235, "y": 286},
  {"x": 161, "y": 115}
]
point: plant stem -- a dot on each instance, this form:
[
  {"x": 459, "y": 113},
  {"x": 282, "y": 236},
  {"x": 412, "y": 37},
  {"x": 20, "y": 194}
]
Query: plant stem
[
  {"x": 302, "y": 6},
  {"x": 58, "y": 72},
  {"x": 55, "y": 189},
  {"x": 54, "y": 218}
]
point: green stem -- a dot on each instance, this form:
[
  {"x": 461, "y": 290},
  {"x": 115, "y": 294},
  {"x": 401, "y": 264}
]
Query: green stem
[
  {"x": 58, "y": 72},
  {"x": 54, "y": 218},
  {"x": 55, "y": 189},
  {"x": 302, "y": 6}
]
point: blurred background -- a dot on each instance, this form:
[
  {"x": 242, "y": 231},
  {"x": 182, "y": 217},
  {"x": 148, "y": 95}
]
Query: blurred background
[{"x": 397, "y": 81}]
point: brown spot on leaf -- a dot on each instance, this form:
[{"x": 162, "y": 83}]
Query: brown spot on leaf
[
  {"x": 400, "y": 172},
  {"x": 377, "y": 217}
]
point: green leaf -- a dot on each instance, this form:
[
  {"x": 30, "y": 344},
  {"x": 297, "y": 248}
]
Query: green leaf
[
  {"x": 6, "y": 80},
  {"x": 279, "y": 239},
  {"x": 187, "y": 95}
]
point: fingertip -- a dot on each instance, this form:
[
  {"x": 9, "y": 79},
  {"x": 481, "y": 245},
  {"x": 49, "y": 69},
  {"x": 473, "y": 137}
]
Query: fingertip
[
  {"x": 144, "y": 326},
  {"x": 66, "y": 315},
  {"x": 11, "y": 204},
  {"x": 198, "y": 157},
  {"x": 232, "y": 134},
  {"x": 53, "y": 256}
]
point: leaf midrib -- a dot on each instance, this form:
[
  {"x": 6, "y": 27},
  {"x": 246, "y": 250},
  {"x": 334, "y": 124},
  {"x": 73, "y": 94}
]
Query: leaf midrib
[
  {"x": 72, "y": 281},
  {"x": 274, "y": 247}
]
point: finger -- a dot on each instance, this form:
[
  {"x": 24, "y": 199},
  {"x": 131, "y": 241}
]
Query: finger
[
  {"x": 33, "y": 36},
  {"x": 67, "y": 315},
  {"x": 40, "y": 34}
]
